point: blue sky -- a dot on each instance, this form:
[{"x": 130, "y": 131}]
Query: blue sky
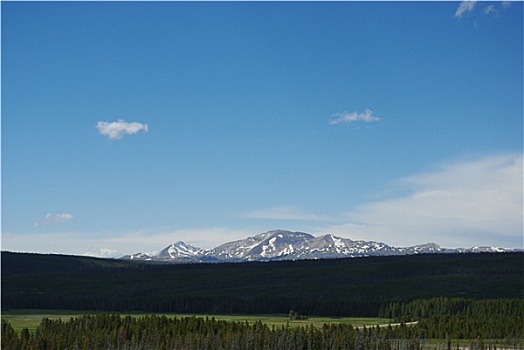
[{"x": 130, "y": 125}]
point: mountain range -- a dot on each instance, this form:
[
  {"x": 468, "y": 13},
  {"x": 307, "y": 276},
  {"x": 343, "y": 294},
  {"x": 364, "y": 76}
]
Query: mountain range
[{"x": 288, "y": 245}]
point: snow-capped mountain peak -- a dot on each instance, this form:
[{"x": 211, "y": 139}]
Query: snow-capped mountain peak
[
  {"x": 179, "y": 251},
  {"x": 262, "y": 246},
  {"x": 288, "y": 245}
]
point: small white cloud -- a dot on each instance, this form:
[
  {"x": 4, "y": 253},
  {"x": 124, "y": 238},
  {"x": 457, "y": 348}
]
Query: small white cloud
[
  {"x": 465, "y": 6},
  {"x": 50, "y": 218},
  {"x": 496, "y": 10},
  {"x": 490, "y": 9},
  {"x": 115, "y": 130},
  {"x": 346, "y": 118}
]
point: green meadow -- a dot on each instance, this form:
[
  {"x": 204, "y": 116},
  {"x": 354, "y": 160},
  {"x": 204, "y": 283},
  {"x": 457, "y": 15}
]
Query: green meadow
[{"x": 31, "y": 318}]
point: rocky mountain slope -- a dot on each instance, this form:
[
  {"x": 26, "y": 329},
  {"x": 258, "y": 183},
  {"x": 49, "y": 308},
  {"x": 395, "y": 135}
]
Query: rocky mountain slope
[{"x": 287, "y": 245}]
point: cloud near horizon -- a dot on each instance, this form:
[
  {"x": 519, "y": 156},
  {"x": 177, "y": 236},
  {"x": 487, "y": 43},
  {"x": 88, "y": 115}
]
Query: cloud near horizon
[
  {"x": 110, "y": 245},
  {"x": 51, "y": 218},
  {"x": 475, "y": 202},
  {"x": 463, "y": 203},
  {"x": 115, "y": 130},
  {"x": 346, "y": 117}
]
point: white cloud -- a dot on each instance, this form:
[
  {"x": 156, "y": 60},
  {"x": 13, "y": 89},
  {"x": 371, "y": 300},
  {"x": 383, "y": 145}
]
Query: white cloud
[
  {"x": 147, "y": 241},
  {"x": 496, "y": 10},
  {"x": 50, "y": 218},
  {"x": 465, "y": 6},
  {"x": 475, "y": 202},
  {"x": 490, "y": 9},
  {"x": 104, "y": 253},
  {"x": 346, "y": 118},
  {"x": 287, "y": 212},
  {"x": 142, "y": 241},
  {"x": 459, "y": 204},
  {"x": 115, "y": 130}
]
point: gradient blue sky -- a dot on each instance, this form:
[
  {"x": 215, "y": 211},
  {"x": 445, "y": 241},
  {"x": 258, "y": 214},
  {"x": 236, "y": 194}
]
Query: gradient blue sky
[{"x": 400, "y": 122}]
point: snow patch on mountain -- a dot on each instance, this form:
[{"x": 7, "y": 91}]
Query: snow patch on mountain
[{"x": 288, "y": 245}]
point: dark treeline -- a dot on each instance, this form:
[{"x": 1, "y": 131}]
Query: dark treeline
[
  {"x": 460, "y": 318},
  {"x": 161, "y": 332},
  {"x": 339, "y": 287}
]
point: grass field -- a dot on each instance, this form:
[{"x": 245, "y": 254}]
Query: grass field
[{"x": 32, "y": 318}]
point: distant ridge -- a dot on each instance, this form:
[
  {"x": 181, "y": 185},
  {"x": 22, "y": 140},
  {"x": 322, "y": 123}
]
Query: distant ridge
[{"x": 288, "y": 245}]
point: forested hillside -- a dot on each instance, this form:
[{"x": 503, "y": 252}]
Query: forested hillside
[{"x": 339, "y": 287}]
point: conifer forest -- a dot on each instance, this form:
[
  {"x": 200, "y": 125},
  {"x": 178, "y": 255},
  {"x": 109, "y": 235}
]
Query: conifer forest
[{"x": 469, "y": 301}]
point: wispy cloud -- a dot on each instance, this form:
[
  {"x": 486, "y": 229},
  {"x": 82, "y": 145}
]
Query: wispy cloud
[
  {"x": 490, "y": 9},
  {"x": 464, "y": 7},
  {"x": 117, "y": 244},
  {"x": 50, "y": 218},
  {"x": 495, "y": 10},
  {"x": 476, "y": 202},
  {"x": 346, "y": 117},
  {"x": 115, "y": 130},
  {"x": 286, "y": 212}
]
